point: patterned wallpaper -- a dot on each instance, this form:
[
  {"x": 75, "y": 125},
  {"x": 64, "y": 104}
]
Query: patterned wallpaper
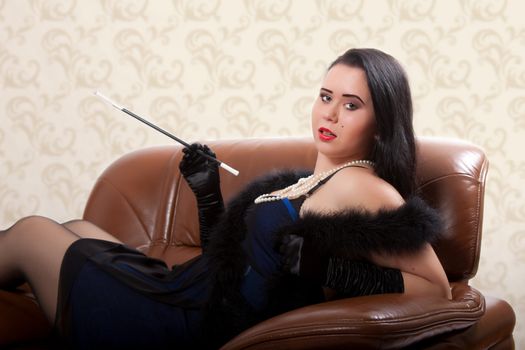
[{"x": 211, "y": 69}]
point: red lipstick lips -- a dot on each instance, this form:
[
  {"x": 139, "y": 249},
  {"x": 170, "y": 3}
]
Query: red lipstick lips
[{"x": 326, "y": 134}]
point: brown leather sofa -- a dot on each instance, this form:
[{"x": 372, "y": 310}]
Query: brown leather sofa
[{"x": 142, "y": 199}]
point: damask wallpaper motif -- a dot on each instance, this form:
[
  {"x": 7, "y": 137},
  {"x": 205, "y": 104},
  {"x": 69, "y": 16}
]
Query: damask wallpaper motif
[{"x": 211, "y": 69}]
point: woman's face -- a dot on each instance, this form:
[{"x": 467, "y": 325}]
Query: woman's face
[{"x": 343, "y": 122}]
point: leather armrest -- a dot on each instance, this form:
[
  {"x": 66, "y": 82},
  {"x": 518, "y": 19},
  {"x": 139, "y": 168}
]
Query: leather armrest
[
  {"x": 378, "y": 321},
  {"x": 22, "y": 319}
]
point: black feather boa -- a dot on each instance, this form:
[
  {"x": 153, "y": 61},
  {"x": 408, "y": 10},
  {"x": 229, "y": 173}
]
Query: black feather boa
[
  {"x": 352, "y": 233},
  {"x": 356, "y": 234}
]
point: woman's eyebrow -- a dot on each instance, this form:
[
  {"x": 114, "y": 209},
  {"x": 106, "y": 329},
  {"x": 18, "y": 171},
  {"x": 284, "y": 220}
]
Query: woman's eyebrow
[{"x": 345, "y": 95}]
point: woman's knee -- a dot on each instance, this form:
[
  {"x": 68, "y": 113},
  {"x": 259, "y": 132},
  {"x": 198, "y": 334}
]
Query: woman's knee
[{"x": 32, "y": 227}]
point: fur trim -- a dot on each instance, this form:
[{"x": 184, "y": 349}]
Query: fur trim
[{"x": 356, "y": 234}]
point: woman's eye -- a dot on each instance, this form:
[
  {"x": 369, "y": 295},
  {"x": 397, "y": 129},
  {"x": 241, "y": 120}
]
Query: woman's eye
[
  {"x": 325, "y": 98},
  {"x": 350, "y": 106}
]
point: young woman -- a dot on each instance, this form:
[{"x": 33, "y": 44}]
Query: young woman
[{"x": 352, "y": 227}]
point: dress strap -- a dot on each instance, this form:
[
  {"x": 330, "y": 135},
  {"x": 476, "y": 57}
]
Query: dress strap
[
  {"x": 297, "y": 203},
  {"x": 325, "y": 180},
  {"x": 321, "y": 183}
]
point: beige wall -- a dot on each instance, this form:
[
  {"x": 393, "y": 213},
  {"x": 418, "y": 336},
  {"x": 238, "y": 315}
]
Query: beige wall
[{"x": 210, "y": 69}]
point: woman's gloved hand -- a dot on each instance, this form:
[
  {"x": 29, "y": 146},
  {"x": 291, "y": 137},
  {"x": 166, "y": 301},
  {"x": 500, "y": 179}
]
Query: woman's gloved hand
[
  {"x": 202, "y": 175},
  {"x": 299, "y": 257}
]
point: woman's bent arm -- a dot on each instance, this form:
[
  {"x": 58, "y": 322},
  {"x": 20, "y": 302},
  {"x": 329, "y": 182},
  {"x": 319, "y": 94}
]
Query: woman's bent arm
[{"x": 422, "y": 272}]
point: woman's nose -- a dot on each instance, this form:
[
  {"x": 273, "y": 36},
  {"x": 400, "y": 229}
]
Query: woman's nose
[{"x": 330, "y": 113}]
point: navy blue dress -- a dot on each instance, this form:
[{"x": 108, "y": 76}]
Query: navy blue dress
[{"x": 113, "y": 296}]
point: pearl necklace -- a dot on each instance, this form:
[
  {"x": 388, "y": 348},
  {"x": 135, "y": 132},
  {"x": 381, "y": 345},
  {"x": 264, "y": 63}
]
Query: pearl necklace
[{"x": 305, "y": 184}]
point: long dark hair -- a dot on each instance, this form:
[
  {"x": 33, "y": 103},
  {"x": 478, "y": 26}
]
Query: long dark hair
[{"x": 394, "y": 150}]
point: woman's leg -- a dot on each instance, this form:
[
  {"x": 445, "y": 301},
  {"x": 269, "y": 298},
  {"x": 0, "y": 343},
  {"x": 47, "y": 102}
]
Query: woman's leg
[
  {"x": 32, "y": 250},
  {"x": 86, "y": 229}
]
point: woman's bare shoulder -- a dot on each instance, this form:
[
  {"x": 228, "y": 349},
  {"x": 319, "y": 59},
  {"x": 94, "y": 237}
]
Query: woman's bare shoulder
[{"x": 363, "y": 189}]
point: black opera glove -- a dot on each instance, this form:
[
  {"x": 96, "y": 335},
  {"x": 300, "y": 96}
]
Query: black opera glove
[
  {"x": 202, "y": 175},
  {"x": 352, "y": 278},
  {"x": 349, "y": 278}
]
